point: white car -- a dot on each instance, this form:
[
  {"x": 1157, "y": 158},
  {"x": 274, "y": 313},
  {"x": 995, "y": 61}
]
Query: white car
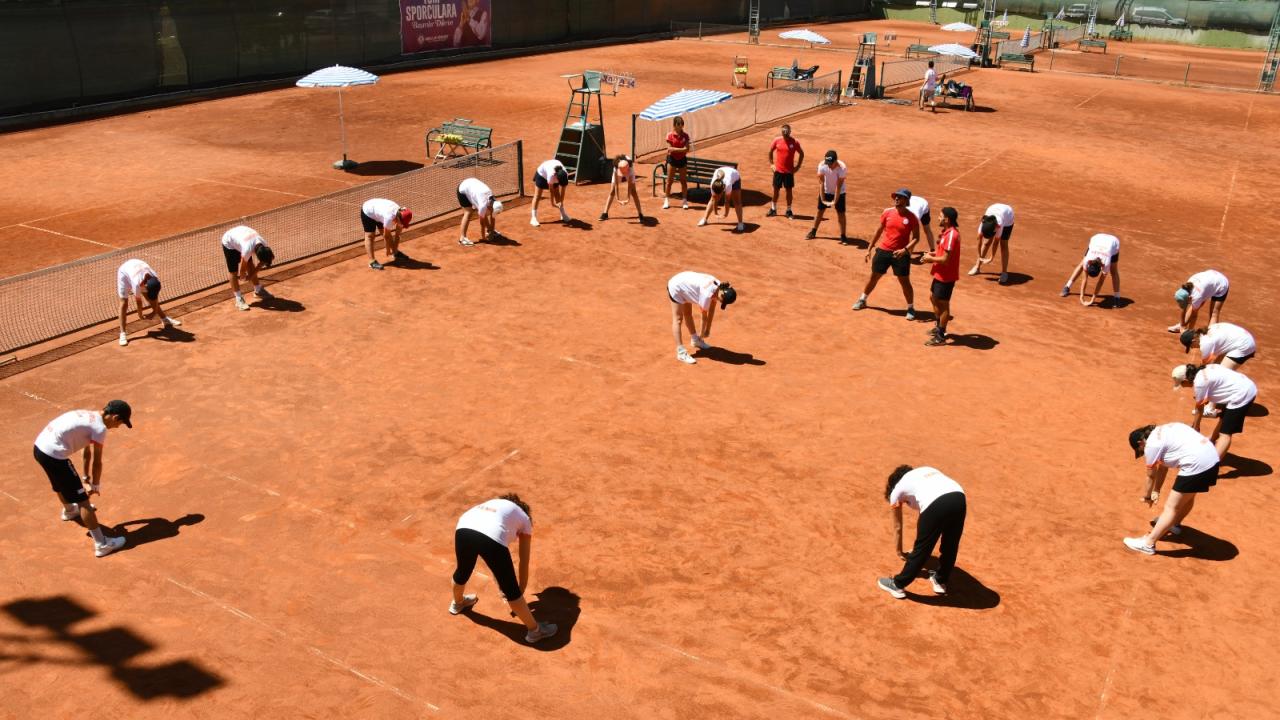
[{"x": 1156, "y": 16}]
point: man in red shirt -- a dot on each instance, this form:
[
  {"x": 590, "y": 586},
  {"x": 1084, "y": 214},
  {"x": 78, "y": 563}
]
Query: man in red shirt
[
  {"x": 946, "y": 271},
  {"x": 900, "y": 229},
  {"x": 786, "y": 156}
]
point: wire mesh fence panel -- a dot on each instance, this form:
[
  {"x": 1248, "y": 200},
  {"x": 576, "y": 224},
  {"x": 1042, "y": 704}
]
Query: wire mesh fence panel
[
  {"x": 698, "y": 30},
  {"x": 1013, "y": 46},
  {"x": 1205, "y": 73},
  {"x": 905, "y": 72},
  {"x": 739, "y": 113},
  {"x": 46, "y": 304},
  {"x": 1069, "y": 35}
]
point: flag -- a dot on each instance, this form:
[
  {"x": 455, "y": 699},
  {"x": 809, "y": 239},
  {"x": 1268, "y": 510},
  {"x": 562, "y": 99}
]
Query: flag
[
  {"x": 1062, "y": 13},
  {"x": 1120, "y": 21},
  {"x": 1026, "y": 38}
]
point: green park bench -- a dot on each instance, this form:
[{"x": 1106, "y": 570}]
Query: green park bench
[
  {"x": 1018, "y": 59},
  {"x": 456, "y": 137},
  {"x": 700, "y": 170},
  {"x": 920, "y": 51},
  {"x": 1093, "y": 43}
]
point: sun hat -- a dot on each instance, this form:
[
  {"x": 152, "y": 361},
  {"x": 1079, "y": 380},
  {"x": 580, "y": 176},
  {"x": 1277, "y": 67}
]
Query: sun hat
[
  {"x": 1179, "y": 375},
  {"x": 497, "y": 206},
  {"x": 405, "y": 215}
]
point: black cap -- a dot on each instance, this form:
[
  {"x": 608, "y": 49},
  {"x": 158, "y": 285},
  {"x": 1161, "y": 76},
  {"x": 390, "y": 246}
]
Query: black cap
[
  {"x": 1187, "y": 337},
  {"x": 951, "y": 214},
  {"x": 903, "y": 193},
  {"x": 120, "y": 409},
  {"x": 727, "y": 295},
  {"x": 1137, "y": 437},
  {"x": 151, "y": 287},
  {"x": 831, "y": 156},
  {"x": 1093, "y": 268}
]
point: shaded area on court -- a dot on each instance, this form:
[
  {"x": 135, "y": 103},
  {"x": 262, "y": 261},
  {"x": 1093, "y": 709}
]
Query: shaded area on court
[
  {"x": 554, "y": 605},
  {"x": 1199, "y": 545},
  {"x": 1243, "y": 467},
  {"x": 149, "y": 530},
  {"x": 115, "y": 649},
  {"x": 729, "y": 357},
  {"x": 964, "y": 591},
  {"x": 369, "y": 168}
]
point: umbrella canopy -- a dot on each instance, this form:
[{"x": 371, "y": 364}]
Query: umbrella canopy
[
  {"x": 959, "y": 27},
  {"x": 1091, "y": 29},
  {"x": 339, "y": 76},
  {"x": 806, "y": 35},
  {"x": 685, "y": 101},
  {"x": 954, "y": 49},
  {"x": 1026, "y": 38},
  {"x": 1120, "y": 21}
]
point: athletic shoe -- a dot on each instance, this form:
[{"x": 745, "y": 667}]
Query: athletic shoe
[
  {"x": 683, "y": 356},
  {"x": 375, "y": 265},
  {"x": 702, "y": 223},
  {"x": 773, "y": 212},
  {"x": 973, "y": 270},
  {"x": 1139, "y": 545},
  {"x": 666, "y": 204},
  {"x": 604, "y": 216},
  {"x": 468, "y": 601},
  {"x": 263, "y": 294},
  {"x": 564, "y": 217},
  {"x": 172, "y": 322},
  {"x": 861, "y": 303},
  {"x": 1066, "y": 290},
  {"x": 124, "y": 339},
  {"x": 465, "y": 242},
  {"x": 1173, "y": 529},
  {"x": 811, "y": 235},
  {"x": 533, "y": 220},
  {"x": 544, "y": 631},
  {"x": 71, "y": 514},
  {"x": 911, "y": 314},
  {"x": 789, "y": 214},
  {"x": 702, "y": 344},
  {"x": 889, "y": 586},
  {"x": 741, "y": 227},
  {"x": 1004, "y": 278},
  {"x": 241, "y": 304},
  {"x": 938, "y": 588},
  {"x": 110, "y": 545},
  {"x": 936, "y": 339},
  {"x": 684, "y": 205},
  {"x": 1174, "y": 328},
  {"x": 1211, "y": 412},
  {"x": 844, "y": 240}
]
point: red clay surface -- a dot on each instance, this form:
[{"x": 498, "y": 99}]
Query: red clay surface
[{"x": 293, "y": 479}]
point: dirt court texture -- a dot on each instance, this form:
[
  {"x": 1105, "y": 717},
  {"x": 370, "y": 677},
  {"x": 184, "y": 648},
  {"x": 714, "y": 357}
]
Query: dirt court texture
[{"x": 708, "y": 537}]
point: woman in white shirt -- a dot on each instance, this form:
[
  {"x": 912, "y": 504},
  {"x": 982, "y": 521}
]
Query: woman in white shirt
[
  {"x": 486, "y": 531},
  {"x": 687, "y": 289},
  {"x": 476, "y": 197},
  {"x": 941, "y": 504},
  {"x": 1221, "y": 343},
  {"x": 1209, "y": 285},
  {"x": 997, "y": 220},
  {"x": 1227, "y": 388},
  {"x": 726, "y": 188},
  {"x": 1101, "y": 259},
  {"x": 1174, "y": 445},
  {"x": 624, "y": 171}
]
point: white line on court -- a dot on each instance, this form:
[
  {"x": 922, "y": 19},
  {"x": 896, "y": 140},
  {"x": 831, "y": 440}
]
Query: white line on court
[
  {"x": 73, "y": 237},
  {"x": 33, "y": 396},
  {"x": 496, "y": 463},
  {"x": 1230, "y": 189},
  {"x": 1249, "y": 115},
  {"x": 289, "y": 501},
  {"x": 1111, "y": 669},
  {"x": 1082, "y": 102},
  {"x": 975, "y": 167},
  {"x": 252, "y": 187},
  {"x": 11, "y": 497}
]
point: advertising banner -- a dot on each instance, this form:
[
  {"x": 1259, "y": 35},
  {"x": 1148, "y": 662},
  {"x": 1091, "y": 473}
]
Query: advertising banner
[{"x": 445, "y": 24}]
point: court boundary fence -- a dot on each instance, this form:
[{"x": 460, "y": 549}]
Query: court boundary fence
[
  {"x": 898, "y": 73},
  {"x": 52, "y": 302}
]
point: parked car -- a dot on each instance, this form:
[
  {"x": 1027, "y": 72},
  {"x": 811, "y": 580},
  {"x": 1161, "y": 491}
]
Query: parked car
[
  {"x": 1077, "y": 10},
  {"x": 1156, "y": 16}
]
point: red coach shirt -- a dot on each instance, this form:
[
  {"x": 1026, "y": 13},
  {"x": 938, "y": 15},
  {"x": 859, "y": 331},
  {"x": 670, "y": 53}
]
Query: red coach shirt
[
  {"x": 784, "y": 154},
  {"x": 948, "y": 271},
  {"x": 897, "y": 229},
  {"x": 679, "y": 144}
]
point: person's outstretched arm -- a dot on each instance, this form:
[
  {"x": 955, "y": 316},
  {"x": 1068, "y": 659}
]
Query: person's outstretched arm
[
  {"x": 707, "y": 317},
  {"x": 897, "y": 529},
  {"x": 526, "y": 542}
]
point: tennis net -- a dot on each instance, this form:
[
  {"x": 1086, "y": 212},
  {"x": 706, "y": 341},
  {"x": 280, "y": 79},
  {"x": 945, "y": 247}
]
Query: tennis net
[
  {"x": 739, "y": 113},
  {"x": 46, "y": 304}
]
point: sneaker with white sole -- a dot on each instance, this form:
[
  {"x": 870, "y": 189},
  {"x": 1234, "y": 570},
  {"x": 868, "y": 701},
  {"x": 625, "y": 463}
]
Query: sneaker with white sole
[
  {"x": 1066, "y": 290},
  {"x": 124, "y": 339},
  {"x": 72, "y": 514},
  {"x": 263, "y": 294},
  {"x": 171, "y": 322},
  {"x": 1173, "y": 529},
  {"x": 1139, "y": 545},
  {"x": 684, "y": 205},
  {"x": 911, "y": 314},
  {"x": 889, "y": 586},
  {"x": 534, "y": 221},
  {"x": 860, "y": 304},
  {"x": 1174, "y": 328},
  {"x": 110, "y": 545},
  {"x": 666, "y": 204},
  {"x": 938, "y": 587},
  {"x": 564, "y": 217},
  {"x": 741, "y": 227},
  {"x": 973, "y": 270},
  {"x": 702, "y": 344},
  {"x": 375, "y": 265},
  {"x": 702, "y": 223},
  {"x": 1004, "y": 278},
  {"x": 465, "y": 242},
  {"x": 683, "y": 356},
  {"x": 544, "y": 631},
  {"x": 468, "y": 602},
  {"x": 241, "y": 304}
]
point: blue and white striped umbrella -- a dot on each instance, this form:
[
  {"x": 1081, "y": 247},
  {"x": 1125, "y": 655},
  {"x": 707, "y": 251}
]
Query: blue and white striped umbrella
[
  {"x": 1026, "y": 38},
  {"x": 339, "y": 76},
  {"x": 806, "y": 35},
  {"x": 685, "y": 101}
]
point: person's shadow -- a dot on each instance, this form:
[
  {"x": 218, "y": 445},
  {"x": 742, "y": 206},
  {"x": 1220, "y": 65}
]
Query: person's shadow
[
  {"x": 1015, "y": 278},
  {"x": 168, "y": 333},
  {"x": 1200, "y": 545},
  {"x": 1243, "y": 467},
  {"x": 152, "y": 529},
  {"x": 554, "y": 604},
  {"x": 408, "y": 263},
  {"x": 975, "y": 341},
  {"x": 963, "y": 591},
  {"x": 279, "y": 304},
  {"x": 501, "y": 240},
  {"x": 729, "y": 357}
]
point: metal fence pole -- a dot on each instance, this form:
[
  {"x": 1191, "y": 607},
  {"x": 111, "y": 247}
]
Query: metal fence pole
[
  {"x": 1051, "y": 54},
  {"x": 520, "y": 163},
  {"x": 1118, "y": 59},
  {"x": 1186, "y": 76},
  {"x": 699, "y": 29}
]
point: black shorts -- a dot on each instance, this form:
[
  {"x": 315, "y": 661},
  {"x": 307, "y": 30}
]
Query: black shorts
[
  {"x": 737, "y": 185},
  {"x": 1198, "y": 483},
  {"x": 369, "y": 224},
  {"x": 470, "y": 544},
  {"x": 233, "y": 260},
  {"x": 540, "y": 182},
  {"x": 1240, "y": 360},
  {"x": 463, "y": 202},
  {"x": 826, "y": 198},
  {"x": 883, "y": 260},
  {"x": 677, "y": 162},
  {"x": 941, "y": 290},
  {"x": 1115, "y": 259},
  {"x": 62, "y": 477},
  {"x": 926, "y": 219},
  {"x": 1222, "y": 297},
  {"x": 783, "y": 180},
  {"x": 1006, "y": 233},
  {"x": 1231, "y": 420}
]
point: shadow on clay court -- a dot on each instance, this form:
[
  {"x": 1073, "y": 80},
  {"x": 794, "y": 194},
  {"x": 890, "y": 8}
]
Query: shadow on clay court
[
  {"x": 1243, "y": 467},
  {"x": 554, "y": 604},
  {"x": 168, "y": 333},
  {"x": 1257, "y": 409},
  {"x": 729, "y": 357},
  {"x": 118, "y": 650},
  {"x": 747, "y": 228},
  {"x": 755, "y": 198},
  {"x": 152, "y": 529},
  {"x": 371, "y": 168},
  {"x": 413, "y": 264},
  {"x": 279, "y": 304},
  {"x": 649, "y": 221},
  {"x": 501, "y": 241},
  {"x": 1015, "y": 278},
  {"x": 576, "y": 224},
  {"x": 973, "y": 341},
  {"x": 1200, "y": 545},
  {"x": 964, "y": 591}
]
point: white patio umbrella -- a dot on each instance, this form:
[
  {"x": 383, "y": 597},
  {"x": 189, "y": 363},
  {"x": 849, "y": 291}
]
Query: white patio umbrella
[
  {"x": 1026, "y": 38},
  {"x": 806, "y": 35},
  {"x": 954, "y": 50},
  {"x": 685, "y": 101},
  {"x": 959, "y": 27},
  {"x": 339, "y": 76},
  {"x": 1120, "y": 21}
]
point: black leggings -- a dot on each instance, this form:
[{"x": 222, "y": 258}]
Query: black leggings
[
  {"x": 470, "y": 544},
  {"x": 943, "y": 519}
]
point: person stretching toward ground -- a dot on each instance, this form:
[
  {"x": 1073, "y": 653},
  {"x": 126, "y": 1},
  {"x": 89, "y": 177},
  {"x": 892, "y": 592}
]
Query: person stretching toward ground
[
  {"x": 486, "y": 531},
  {"x": 1174, "y": 445},
  {"x": 997, "y": 220},
  {"x": 946, "y": 272},
  {"x": 1230, "y": 346},
  {"x": 920, "y": 207},
  {"x": 380, "y": 215},
  {"x": 901, "y": 231},
  {"x": 550, "y": 176},
  {"x": 786, "y": 156},
  {"x": 726, "y": 189},
  {"x": 1216, "y": 384},
  {"x": 1209, "y": 285},
  {"x": 941, "y": 504},
  {"x": 678, "y": 148},
  {"x": 831, "y": 177},
  {"x": 66, "y": 435},
  {"x": 687, "y": 289},
  {"x": 136, "y": 279},
  {"x": 1101, "y": 259},
  {"x": 624, "y": 171},
  {"x": 476, "y": 197},
  {"x": 245, "y": 253}
]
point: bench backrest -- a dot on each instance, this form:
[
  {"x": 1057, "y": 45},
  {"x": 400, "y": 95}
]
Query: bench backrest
[
  {"x": 704, "y": 167},
  {"x": 469, "y": 133}
]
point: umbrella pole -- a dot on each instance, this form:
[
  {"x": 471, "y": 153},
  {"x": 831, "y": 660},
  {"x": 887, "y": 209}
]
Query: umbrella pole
[{"x": 343, "y": 164}]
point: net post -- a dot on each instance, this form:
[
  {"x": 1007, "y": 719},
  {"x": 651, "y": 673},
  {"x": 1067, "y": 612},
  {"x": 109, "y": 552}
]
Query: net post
[
  {"x": 633, "y": 136},
  {"x": 699, "y": 29},
  {"x": 520, "y": 165},
  {"x": 1187, "y": 75},
  {"x": 1117, "y": 70}
]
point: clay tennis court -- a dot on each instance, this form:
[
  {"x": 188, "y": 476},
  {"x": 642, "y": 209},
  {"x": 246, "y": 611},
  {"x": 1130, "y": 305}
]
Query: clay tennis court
[{"x": 707, "y": 537}]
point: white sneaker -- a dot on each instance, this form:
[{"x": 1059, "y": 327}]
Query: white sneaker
[
  {"x": 172, "y": 323},
  {"x": 564, "y": 217},
  {"x": 702, "y": 344},
  {"x": 71, "y": 514},
  {"x": 241, "y": 304},
  {"x": 533, "y": 220},
  {"x": 701, "y": 223},
  {"x": 666, "y": 204},
  {"x": 124, "y": 339},
  {"x": 938, "y": 588},
  {"x": 684, "y": 205},
  {"x": 973, "y": 270},
  {"x": 468, "y": 601},
  {"x": 544, "y": 631},
  {"x": 1174, "y": 328},
  {"x": 683, "y": 356},
  {"x": 464, "y": 242},
  {"x": 1139, "y": 545},
  {"x": 741, "y": 227},
  {"x": 111, "y": 545}
]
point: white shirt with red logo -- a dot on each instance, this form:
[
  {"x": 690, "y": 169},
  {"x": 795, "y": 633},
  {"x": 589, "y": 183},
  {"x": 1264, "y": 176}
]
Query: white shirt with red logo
[
  {"x": 920, "y": 487},
  {"x": 1217, "y": 384},
  {"x": 501, "y": 520},
  {"x": 1227, "y": 339},
  {"x": 1178, "y": 445},
  {"x": 1101, "y": 247},
  {"x": 71, "y": 432},
  {"x": 130, "y": 276},
  {"x": 1207, "y": 284}
]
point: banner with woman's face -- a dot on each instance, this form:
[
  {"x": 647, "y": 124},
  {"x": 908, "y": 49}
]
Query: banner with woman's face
[{"x": 427, "y": 25}]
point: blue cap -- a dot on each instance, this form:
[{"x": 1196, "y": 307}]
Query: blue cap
[
  {"x": 1182, "y": 297},
  {"x": 904, "y": 193}
]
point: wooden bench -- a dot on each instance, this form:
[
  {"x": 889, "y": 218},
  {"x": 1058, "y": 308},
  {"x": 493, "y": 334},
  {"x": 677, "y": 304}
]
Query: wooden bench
[
  {"x": 1018, "y": 59},
  {"x": 920, "y": 51},
  {"x": 455, "y": 137},
  {"x": 999, "y": 35},
  {"x": 1089, "y": 42},
  {"x": 699, "y": 170},
  {"x": 1121, "y": 33}
]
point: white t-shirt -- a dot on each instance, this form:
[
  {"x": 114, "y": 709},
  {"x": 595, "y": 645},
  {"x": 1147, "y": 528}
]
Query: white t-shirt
[
  {"x": 130, "y": 276},
  {"x": 547, "y": 171},
  {"x": 693, "y": 287},
  {"x": 729, "y": 175},
  {"x": 920, "y": 487},
  {"x": 478, "y": 194},
  {"x": 831, "y": 177},
  {"x": 242, "y": 239},
  {"x": 71, "y": 432},
  {"x": 930, "y": 80},
  {"x": 627, "y": 174},
  {"x": 1003, "y": 213},
  {"x": 1101, "y": 247},
  {"x": 382, "y": 210},
  {"x": 1227, "y": 339},
  {"x": 919, "y": 206},
  {"x": 1207, "y": 284},
  {"x": 1177, "y": 445},
  {"x": 1221, "y": 385},
  {"x": 499, "y": 519}
]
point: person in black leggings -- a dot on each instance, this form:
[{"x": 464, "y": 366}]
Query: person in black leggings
[{"x": 941, "y": 503}]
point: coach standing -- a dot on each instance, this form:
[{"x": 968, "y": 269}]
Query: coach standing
[
  {"x": 942, "y": 507},
  {"x": 136, "y": 279},
  {"x": 786, "y": 156},
  {"x": 832, "y": 174},
  {"x": 901, "y": 231},
  {"x": 380, "y": 215}
]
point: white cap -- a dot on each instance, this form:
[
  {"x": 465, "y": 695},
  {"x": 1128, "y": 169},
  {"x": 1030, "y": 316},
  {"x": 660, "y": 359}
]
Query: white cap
[
  {"x": 1179, "y": 376},
  {"x": 497, "y": 206}
]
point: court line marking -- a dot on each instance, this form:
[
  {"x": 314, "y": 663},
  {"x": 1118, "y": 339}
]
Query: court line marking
[
  {"x": 11, "y": 497},
  {"x": 73, "y": 237},
  {"x": 1249, "y": 115},
  {"x": 330, "y": 517},
  {"x": 1082, "y": 102},
  {"x": 252, "y": 187},
  {"x": 1111, "y": 669},
  {"x": 451, "y": 490},
  {"x": 1230, "y": 189},
  {"x": 975, "y": 167}
]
